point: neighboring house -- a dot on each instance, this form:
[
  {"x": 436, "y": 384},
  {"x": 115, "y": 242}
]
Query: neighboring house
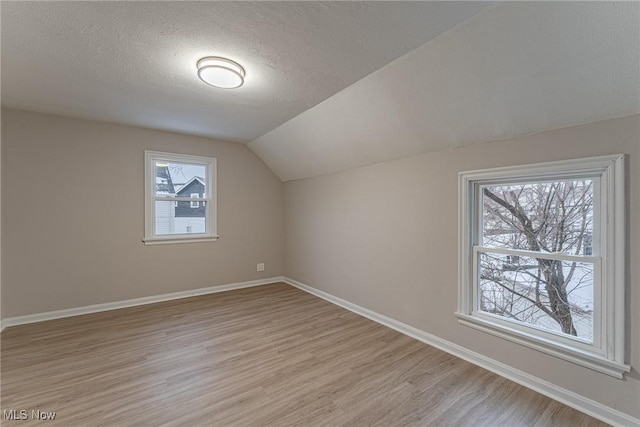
[
  {"x": 179, "y": 217},
  {"x": 164, "y": 210},
  {"x": 194, "y": 189},
  {"x": 164, "y": 183},
  {"x": 190, "y": 216}
]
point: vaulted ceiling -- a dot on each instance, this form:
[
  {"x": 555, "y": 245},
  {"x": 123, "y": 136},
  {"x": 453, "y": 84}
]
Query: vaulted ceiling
[
  {"x": 330, "y": 85},
  {"x": 516, "y": 69}
]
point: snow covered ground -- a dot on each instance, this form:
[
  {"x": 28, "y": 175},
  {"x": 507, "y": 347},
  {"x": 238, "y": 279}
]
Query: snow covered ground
[{"x": 521, "y": 278}]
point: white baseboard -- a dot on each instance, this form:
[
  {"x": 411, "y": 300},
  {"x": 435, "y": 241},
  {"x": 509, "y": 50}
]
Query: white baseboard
[
  {"x": 567, "y": 397},
  {"x": 96, "y": 308}
]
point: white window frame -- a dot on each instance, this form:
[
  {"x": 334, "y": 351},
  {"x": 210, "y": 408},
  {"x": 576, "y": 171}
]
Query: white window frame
[
  {"x": 195, "y": 204},
  {"x": 210, "y": 195},
  {"x": 607, "y": 352}
]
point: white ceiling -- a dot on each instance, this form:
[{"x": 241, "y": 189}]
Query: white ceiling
[
  {"x": 516, "y": 69},
  {"x": 134, "y": 62},
  {"x": 330, "y": 85}
]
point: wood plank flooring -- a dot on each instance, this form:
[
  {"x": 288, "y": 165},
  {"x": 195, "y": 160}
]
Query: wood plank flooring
[{"x": 265, "y": 356}]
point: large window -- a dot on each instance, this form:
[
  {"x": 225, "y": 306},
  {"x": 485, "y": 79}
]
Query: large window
[
  {"x": 542, "y": 252},
  {"x": 172, "y": 181}
]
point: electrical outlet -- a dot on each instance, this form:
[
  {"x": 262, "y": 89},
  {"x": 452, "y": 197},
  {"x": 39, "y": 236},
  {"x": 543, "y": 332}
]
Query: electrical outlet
[{"x": 260, "y": 267}]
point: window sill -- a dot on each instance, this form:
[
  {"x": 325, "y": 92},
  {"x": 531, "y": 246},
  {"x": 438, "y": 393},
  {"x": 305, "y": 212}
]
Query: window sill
[
  {"x": 179, "y": 239},
  {"x": 565, "y": 352}
]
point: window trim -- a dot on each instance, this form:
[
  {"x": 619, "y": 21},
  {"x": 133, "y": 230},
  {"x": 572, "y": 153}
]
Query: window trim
[
  {"x": 210, "y": 195},
  {"x": 197, "y": 203},
  {"x": 609, "y": 358}
]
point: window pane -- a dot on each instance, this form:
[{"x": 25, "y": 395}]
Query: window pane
[
  {"x": 550, "y": 294},
  {"x": 547, "y": 216},
  {"x": 180, "y": 179},
  {"x": 179, "y": 218}
]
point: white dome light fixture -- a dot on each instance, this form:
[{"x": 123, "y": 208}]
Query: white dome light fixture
[{"x": 221, "y": 72}]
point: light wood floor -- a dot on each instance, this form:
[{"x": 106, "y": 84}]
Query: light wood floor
[{"x": 271, "y": 355}]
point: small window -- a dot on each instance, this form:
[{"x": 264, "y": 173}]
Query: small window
[
  {"x": 541, "y": 258},
  {"x": 195, "y": 204},
  {"x": 168, "y": 210}
]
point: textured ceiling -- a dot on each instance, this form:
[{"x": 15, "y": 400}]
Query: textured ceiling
[
  {"x": 134, "y": 62},
  {"x": 515, "y": 69}
]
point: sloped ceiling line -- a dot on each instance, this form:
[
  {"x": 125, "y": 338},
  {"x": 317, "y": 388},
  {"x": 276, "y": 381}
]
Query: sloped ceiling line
[{"x": 516, "y": 69}]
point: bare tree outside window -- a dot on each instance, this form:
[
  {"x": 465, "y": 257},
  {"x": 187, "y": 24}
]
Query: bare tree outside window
[
  {"x": 541, "y": 258},
  {"x": 550, "y": 218}
]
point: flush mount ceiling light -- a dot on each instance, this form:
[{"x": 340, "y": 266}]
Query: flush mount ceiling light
[{"x": 220, "y": 72}]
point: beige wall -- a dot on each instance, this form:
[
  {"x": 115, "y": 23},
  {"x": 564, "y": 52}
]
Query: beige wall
[
  {"x": 381, "y": 236},
  {"x": 385, "y": 237},
  {"x": 0, "y": 224},
  {"x": 72, "y": 216}
]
